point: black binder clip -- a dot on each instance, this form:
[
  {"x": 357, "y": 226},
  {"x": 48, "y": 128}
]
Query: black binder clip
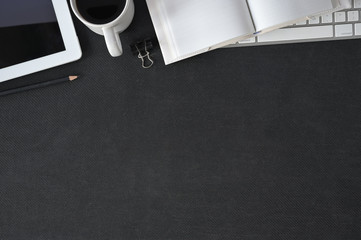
[{"x": 141, "y": 49}]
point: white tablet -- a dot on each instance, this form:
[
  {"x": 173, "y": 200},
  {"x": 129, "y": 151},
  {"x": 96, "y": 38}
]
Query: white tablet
[{"x": 35, "y": 35}]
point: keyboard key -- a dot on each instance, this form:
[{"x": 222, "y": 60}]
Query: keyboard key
[
  {"x": 249, "y": 40},
  {"x": 290, "y": 34},
  {"x": 344, "y": 30},
  {"x": 314, "y": 20},
  {"x": 327, "y": 18},
  {"x": 302, "y": 23},
  {"x": 358, "y": 29},
  {"x": 357, "y": 4},
  {"x": 340, "y": 17},
  {"x": 353, "y": 16}
]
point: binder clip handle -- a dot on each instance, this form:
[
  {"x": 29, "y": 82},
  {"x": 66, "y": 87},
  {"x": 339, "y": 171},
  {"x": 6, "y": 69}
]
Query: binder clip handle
[
  {"x": 146, "y": 58},
  {"x": 141, "y": 49}
]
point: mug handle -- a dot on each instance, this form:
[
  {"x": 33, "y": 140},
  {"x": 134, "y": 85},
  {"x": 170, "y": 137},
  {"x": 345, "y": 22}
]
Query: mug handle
[{"x": 113, "y": 42}]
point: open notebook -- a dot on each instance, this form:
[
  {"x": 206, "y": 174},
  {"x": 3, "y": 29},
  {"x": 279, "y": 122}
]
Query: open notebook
[{"x": 189, "y": 27}]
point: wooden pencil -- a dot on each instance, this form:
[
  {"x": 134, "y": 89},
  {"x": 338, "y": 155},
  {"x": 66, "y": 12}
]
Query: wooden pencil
[{"x": 38, "y": 85}]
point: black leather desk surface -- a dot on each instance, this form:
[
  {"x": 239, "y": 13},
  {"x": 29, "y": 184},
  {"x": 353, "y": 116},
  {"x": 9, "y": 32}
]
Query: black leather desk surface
[{"x": 251, "y": 143}]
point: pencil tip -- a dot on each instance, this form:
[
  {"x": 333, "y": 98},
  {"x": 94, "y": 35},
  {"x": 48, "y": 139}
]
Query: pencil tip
[{"x": 71, "y": 78}]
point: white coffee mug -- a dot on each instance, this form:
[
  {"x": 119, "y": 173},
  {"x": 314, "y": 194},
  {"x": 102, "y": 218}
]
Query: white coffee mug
[{"x": 110, "y": 30}]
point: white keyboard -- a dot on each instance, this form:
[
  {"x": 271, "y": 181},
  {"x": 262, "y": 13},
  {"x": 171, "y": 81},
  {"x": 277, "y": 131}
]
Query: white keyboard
[{"x": 335, "y": 26}]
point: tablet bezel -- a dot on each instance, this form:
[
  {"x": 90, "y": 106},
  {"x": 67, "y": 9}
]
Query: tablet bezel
[{"x": 71, "y": 53}]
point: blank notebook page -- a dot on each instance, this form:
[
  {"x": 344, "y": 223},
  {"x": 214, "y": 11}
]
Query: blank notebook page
[
  {"x": 268, "y": 13},
  {"x": 198, "y": 24}
]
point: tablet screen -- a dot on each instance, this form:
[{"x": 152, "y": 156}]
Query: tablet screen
[{"x": 28, "y": 30}]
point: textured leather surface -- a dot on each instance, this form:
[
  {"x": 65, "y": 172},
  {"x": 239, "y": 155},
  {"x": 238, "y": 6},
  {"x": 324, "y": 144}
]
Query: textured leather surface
[{"x": 251, "y": 143}]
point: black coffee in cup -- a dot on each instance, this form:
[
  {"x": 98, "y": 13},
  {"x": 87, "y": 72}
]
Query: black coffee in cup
[{"x": 100, "y": 11}]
